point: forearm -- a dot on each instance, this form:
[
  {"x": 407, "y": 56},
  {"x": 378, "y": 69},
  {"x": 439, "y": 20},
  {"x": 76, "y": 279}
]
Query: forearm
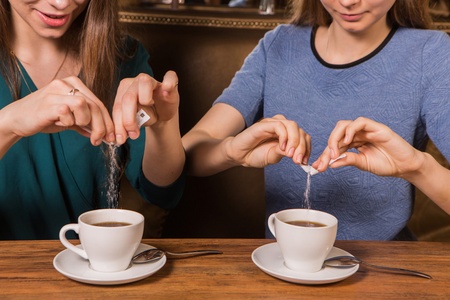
[
  {"x": 207, "y": 156},
  {"x": 433, "y": 180},
  {"x": 7, "y": 138},
  {"x": 164, "y": 155}
]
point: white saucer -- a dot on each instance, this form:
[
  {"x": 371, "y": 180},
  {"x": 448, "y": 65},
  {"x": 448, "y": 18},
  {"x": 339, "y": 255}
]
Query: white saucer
[
  {"x": 269, "y": 259},
  {"x": 77, "y": 268}
]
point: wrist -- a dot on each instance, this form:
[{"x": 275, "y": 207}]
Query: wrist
[
  {"x": 7, "y": 137},
  {"x": 419, "y": 167},
  {"x": 229, "y": 153}
]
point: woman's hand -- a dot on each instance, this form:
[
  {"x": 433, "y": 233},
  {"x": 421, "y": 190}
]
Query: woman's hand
[
  {"x": 53, "y": 109},
  {"x": 381, "y": 151},
  {"x": 160, "y": 100},
  {"x": 268, "y": 141}
]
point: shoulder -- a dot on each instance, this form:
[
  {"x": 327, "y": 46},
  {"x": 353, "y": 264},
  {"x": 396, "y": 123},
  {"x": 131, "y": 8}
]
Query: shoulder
[
  {"x": 422, "y": 38},
  {"x": 286, "y": 31},
  {"x": 286, "y": 36},
  {"x": 134, "y": 58},
  {"x": 132, "y": 47}
]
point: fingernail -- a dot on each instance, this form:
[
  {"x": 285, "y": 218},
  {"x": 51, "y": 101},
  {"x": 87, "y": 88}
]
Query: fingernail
[
  {"x": 332, "y": 152},
  {"x": 291, "y": 152},
  {"x": 111, "y": 137},
  {"x": 299, "y": 158},
  {"x": 283, "y": 146},
  {"x": 320, "y": 166},
  {"x": 133, "y": 135},
  {"x": 347, "y": 139},
  {"x": 120, "y": 139}
]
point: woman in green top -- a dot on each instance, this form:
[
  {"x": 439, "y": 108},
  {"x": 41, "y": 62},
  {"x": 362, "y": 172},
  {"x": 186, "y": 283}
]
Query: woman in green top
[{"x": 65, "y": 66}]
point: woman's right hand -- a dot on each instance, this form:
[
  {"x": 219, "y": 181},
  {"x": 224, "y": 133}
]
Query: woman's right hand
[
  {"x": 268, "y": 141},
  {"x": 53, "y": 109}
]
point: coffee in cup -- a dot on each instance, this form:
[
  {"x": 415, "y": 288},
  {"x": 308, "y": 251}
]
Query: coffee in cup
[
  {"x": 305, "y": 237},
  {"x": 109, "y": 238}
]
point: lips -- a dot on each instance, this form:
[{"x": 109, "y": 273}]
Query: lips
[
  {"x": 53, "y": 20},
  {"x": 351, "y": 17}
]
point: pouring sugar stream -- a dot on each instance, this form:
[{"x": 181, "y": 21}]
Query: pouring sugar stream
[
  {"x": 311, "y": 171},
  {"x": 112, "y": 194}
]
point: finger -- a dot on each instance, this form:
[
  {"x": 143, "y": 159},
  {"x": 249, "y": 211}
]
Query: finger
[
  {"x": 294, "y": 138},
  {"x": 169, "y": 84},
  {"x": 337, "y": 137},
  {"x": 308, "y": 149},
  {"x": 102, "y": 126},
  {"x": 121, "y": 133},
  {"x": 351, "y": 159},
  {"x": 97, "y": 124},
  {"x": 129, "y": 109},
  {"x": 64, "y": 116},
  {"x": 321, "y": 164},
  {"x": 283, "y": 138},
  {"x": 92, "y": 115},
  {"x": 146, "y": 85},
  {"x": 303, "y": 150}
]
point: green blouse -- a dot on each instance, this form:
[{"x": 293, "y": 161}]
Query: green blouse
[{"x": 48, "y": 180}]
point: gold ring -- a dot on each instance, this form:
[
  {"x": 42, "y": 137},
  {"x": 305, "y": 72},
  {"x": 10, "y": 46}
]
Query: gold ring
[{"x": 73, "y": 91}]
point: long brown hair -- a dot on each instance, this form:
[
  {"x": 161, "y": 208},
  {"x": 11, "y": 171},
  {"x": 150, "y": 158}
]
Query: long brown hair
[
  {"x": 407, "y": 13},
  {"x": 95, "y": 37}
]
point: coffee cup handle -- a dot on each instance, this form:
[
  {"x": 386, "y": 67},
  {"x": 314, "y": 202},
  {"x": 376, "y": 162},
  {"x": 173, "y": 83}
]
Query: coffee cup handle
[
  {"x": 271, "y": 223},
  {"x": 67, "y": 244}
]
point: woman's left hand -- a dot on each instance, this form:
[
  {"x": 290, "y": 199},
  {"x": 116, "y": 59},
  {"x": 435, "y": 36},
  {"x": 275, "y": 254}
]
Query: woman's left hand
[
  {"x": 381, "y": 150},
  {"x": 160, "y": 100}
]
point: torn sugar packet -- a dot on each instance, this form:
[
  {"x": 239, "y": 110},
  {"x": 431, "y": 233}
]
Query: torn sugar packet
[
  {"x": 337, "y": 158},
  {"x": 309, "y": 169},
  {"x": 142, "y": 117}
]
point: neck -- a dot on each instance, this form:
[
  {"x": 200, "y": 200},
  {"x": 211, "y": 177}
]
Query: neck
[{"x": 342, "y": 46}]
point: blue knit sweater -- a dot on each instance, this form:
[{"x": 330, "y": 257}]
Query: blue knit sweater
[{"x": 404, "y": 83}]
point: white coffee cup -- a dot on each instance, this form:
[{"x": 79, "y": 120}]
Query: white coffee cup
[
  {"x": 108, "y": 249},
  {"x": 304, "y": 249}
]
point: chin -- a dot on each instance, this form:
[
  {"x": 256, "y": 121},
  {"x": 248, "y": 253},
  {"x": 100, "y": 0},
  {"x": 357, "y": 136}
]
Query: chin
[
  {"x": 354, "y": 27},
  {"x": 52, "y": 34}
]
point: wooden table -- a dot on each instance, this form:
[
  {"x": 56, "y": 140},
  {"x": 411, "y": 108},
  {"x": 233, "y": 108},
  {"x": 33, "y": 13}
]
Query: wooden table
[{"x": 26, "y": 270}]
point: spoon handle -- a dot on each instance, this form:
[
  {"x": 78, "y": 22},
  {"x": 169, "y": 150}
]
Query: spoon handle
[
  {"x": 350, "y": 261},
  {"x": 411, "y": 272},
  {"x": 191, "y": 253}
]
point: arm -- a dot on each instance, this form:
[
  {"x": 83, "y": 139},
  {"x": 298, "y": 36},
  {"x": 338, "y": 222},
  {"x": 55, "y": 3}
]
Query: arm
[
  {"x": 205, "y": 143},
  {"x": 217, "y": 142},
  {"x": 384, "y": 153},
  {"x": 164, "y": 156}
]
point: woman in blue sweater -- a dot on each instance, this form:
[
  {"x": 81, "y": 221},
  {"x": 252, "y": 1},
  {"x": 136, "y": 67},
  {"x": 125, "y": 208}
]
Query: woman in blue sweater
[
  {"x": 61, "y": 64},
  {"x": 337, "y": 60}
]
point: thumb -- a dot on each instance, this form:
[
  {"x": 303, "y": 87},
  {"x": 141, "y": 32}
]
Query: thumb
[
  {"x": 169, "y": 83},
  {"x": 351, "y": 159}
]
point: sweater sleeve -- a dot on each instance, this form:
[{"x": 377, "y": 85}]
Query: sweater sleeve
[
  {"x": 436, "y": 91},
  {"x": 166, "y": 197},
  {"x": 246, "y": 90}
]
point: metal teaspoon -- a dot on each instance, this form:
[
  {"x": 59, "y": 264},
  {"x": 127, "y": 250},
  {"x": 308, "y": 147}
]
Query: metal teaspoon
[
  {"x": 351, "y": 261},
  {"x": 154, "y": 254}
]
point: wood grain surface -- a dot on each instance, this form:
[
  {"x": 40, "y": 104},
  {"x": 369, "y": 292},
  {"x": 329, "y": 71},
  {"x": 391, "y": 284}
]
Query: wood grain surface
[{"x": 26, "y": 271}]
